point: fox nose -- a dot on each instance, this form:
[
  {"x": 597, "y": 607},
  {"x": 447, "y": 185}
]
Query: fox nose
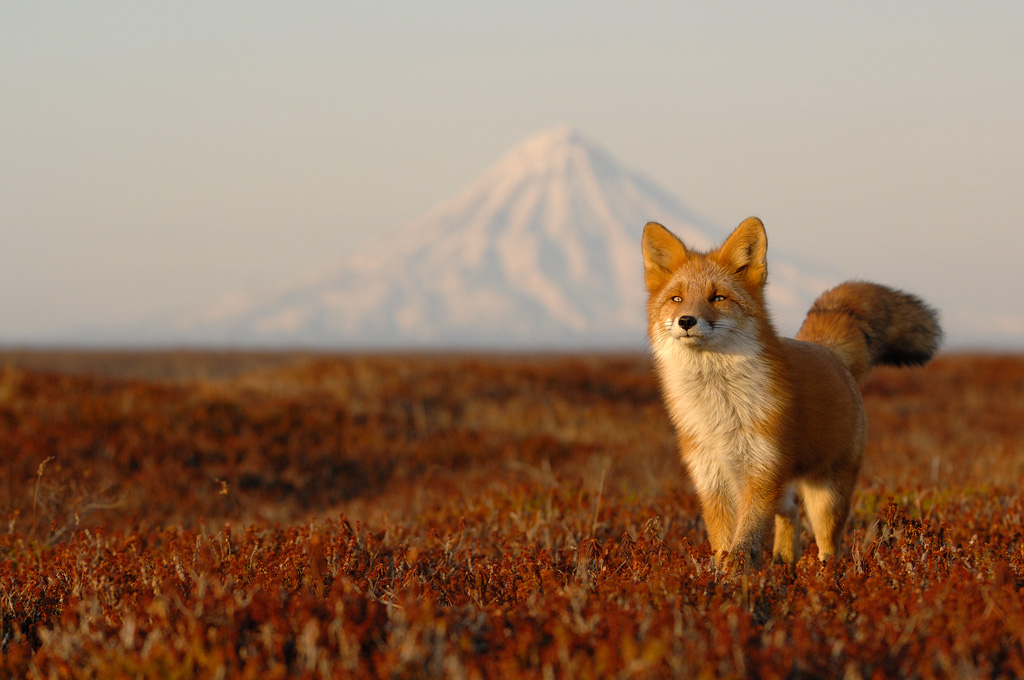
[{"x": 687, "y": 322}]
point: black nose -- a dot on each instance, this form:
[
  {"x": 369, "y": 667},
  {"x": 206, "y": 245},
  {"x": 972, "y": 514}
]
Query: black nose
[{"x": 687, "y": 322}]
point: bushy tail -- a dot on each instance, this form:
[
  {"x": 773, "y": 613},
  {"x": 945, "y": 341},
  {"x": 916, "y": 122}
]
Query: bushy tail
[{"x": 867, "y": 324}]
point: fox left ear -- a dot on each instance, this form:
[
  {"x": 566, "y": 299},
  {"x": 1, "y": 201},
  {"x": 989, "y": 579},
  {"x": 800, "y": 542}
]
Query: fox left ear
[{"x": 745, "y": 252}]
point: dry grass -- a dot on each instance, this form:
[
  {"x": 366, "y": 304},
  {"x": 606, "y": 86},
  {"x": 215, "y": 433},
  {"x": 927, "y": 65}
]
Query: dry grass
[{"x": 433, "y": 516}]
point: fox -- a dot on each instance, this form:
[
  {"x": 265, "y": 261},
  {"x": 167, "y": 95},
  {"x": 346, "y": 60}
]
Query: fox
[{"x": 762, "y": 420}]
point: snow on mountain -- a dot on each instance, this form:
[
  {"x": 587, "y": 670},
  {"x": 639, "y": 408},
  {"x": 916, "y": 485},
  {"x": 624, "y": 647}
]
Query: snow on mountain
[{"x": 541, "y": 252}]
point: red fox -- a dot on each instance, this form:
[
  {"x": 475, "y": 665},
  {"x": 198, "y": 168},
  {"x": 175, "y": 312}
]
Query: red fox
[{"x": 761, "y": 418}]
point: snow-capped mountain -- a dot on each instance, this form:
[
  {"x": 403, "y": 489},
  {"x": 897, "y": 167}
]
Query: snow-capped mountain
[{"x": 542, "y": 251}]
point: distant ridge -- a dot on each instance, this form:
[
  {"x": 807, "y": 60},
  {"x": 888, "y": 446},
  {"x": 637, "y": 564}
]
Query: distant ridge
[{"x": 541, "y": 252}]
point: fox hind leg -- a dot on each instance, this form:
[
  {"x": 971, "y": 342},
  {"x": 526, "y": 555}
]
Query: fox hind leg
[
  {"x": 787, "y": 528},
  {"x": 827, "y": 503}
]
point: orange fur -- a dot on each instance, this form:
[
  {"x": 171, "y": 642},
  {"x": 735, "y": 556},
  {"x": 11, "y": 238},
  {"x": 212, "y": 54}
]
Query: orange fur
[{"x": 761, "y": 419}]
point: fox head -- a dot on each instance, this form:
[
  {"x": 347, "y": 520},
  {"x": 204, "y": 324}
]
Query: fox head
[{"x": 709, "y": 300}]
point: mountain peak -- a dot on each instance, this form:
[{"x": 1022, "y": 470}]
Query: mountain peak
[
  {"x": 542, "y": 251},
  {"x": 557, "y": 148},
  {"x": 553, "y": 138}
]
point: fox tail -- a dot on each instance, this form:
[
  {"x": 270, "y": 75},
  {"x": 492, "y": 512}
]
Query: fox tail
[{"x": 867, "y": 324}]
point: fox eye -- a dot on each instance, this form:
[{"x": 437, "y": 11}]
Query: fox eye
[
  {"x": 676, "y": 298},
  {"x": 717, "y": 298}
]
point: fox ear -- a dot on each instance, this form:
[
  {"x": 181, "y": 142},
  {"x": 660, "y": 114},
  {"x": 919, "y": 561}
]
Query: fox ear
[
  {"x": 745, "y": 252},
  {"x": 663, "y": 253}
]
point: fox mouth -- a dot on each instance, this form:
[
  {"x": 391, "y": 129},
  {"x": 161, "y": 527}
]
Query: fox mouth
[{"x": 691, "y": 335}]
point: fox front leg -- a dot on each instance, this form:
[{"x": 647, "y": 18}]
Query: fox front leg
[
  {"x": 719, "y": 518},
  {"x": 755, "y": 520}
]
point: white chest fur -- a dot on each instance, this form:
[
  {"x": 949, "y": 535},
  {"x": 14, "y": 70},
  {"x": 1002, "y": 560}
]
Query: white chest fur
[{"x": 717, "y": 401}]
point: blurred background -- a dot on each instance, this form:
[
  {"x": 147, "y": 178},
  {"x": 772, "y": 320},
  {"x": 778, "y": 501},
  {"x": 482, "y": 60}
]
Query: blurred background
[{"x": 254, "y": 173}]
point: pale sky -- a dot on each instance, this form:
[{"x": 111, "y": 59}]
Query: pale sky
[{"x": 153, "y": 157}]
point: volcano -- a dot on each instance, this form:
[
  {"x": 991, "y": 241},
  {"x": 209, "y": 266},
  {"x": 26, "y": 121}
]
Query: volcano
[{"x": 541, "y": 252}]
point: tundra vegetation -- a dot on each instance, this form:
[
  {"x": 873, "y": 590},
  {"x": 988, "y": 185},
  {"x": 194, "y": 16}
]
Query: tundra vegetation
[{"x": 187, "y": 515}]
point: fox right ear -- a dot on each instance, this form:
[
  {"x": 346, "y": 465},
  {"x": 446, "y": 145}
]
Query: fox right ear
[{"x": 663, "y": 254}]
